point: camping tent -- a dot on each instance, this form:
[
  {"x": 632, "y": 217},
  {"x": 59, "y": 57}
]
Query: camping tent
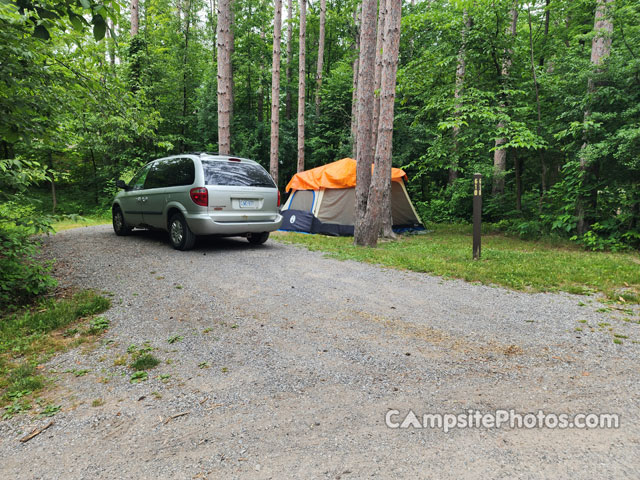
[{"x": 323, "y": 200}]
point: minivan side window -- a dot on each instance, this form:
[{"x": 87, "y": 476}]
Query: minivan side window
[
  {"x": 138, "y": 181},
  {"x": 172, "y": 172}
]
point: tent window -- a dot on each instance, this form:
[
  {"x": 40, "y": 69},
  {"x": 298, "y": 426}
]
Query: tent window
[{"x": 302, "y": 200}]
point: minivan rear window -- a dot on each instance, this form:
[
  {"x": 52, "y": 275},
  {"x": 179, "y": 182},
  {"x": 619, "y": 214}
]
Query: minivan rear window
[
  {"x": 236, "y": 174},
  {"x": 171, "y": 172}
]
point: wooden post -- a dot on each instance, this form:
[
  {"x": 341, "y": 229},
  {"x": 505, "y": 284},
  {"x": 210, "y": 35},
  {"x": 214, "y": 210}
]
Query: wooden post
[{"x": 477, "y": 214}]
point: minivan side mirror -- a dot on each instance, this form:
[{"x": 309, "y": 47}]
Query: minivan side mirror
[{"x": 122, "y": 184}]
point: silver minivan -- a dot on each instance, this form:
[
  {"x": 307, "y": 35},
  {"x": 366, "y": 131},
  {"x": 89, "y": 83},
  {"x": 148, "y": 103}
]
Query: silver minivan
[{"x": 199, "y": 194}]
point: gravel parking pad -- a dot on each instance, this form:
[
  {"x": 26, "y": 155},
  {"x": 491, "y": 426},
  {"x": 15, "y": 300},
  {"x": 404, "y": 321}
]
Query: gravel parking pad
[{"x": 283, "y": 364}]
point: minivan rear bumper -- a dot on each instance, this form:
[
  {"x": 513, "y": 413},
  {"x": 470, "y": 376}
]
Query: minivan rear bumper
[{"x": 203, "y": 224}]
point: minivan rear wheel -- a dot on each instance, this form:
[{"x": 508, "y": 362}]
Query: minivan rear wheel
[
  {"x": 119, "y": 224},
  {"x": 180, "y": 235},
  {"x": 258, "y": 238}
]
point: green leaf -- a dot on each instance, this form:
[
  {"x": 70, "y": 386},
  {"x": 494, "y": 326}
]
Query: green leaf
[
  {"x": 86, "y": 4},
  {"x": 41, "y": 32},
  {"x": 99, "y": 27},
  {"x": 76, "y": 22}
]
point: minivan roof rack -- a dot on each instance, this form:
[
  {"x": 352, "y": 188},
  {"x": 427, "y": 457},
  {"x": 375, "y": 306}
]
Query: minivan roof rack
[{"x": 211, "y": 153}]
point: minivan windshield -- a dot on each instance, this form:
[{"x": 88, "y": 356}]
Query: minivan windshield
[{"x": 237, "y": 174}]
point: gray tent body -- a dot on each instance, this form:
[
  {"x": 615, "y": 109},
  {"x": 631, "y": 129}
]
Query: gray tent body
[{"x": 331, "y": 211}]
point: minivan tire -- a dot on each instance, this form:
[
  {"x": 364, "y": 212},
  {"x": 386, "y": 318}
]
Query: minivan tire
[
  {"x": 120, "y": 225},
  {"x": 258, "y": 238},
  {"x": 180, "y": 235}
]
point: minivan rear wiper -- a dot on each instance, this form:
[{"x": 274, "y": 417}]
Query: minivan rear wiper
[{"x": 262, "y": 184}]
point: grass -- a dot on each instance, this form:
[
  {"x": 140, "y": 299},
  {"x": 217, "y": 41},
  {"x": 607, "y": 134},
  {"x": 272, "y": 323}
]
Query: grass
[
  {"x": 30, "y": 337},
  {"x": 538, "y": 266},
  {"x": 80, "y": 221},
  {"x": 146, "y": 361}
]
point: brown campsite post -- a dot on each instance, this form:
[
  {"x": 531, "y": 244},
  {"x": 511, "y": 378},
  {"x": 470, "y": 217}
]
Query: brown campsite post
[{"x": 477, "y": 214}]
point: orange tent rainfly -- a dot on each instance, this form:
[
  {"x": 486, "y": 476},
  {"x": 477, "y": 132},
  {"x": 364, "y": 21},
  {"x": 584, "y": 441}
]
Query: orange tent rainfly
[
  {"x": 340, "y": 174},
  {"x": 322, "y": 200}
]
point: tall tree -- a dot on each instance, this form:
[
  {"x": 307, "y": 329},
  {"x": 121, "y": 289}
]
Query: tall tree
[
  {"x": 263, "y": 37},
  {"x": 275, "y": 91},
  {"x": 378, "y": 73},
  {"x": 366, "y": 79},
  {"x": 289, "y": 58},
  {"x": 134, "y": 17},
  {"x": 354, "y": 93},
  {"x": 600, "y": 50},
  {"x": 185, "y": 59},
  {"x": 461, "y": 69},
  {"x": 323, "y": 17},
  {"x": 381, "y": 181},
  {"x": 301, "y": 82},
  {"x": 213, "y": 20},
  {"x": 225, "y": 78},
  {"x": 500, "y": 153}
]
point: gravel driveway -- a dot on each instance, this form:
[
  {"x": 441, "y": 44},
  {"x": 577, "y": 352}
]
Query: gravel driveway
[{"x": 289, "y": 362}]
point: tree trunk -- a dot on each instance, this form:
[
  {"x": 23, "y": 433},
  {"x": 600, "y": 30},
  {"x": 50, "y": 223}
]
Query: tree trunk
[
  {"x": 301, "y": 83},
  {"x": 600, "y": 50},
  {"x": 263, "y": 37},
  {"x": 365, "y": 114},
  {"x": 378, "y": 73},
  {"x": 111, "y": 45},
  {"x": 537, "y": 91},
  {"x": 52, "y": 180},
  {"x": 500, "y": 154},
  {"x": 547, "y": 18},
  {"x": 214, "y": 26},
  {"x": 354, "y": 93},
  {"x": 387, "y": 218},
  {"x": 275, "y": 91},
  {"x": 461, "y": 69},
  {"x": 187, "y": 19},
  {"x": 250, "y": 66},
  {"x": 134, "y": 18},
  {"x": 323, "y": 16},
  {"x": 289, "y": 55},
  {"x": 381, "y": 181},
  {"x": 225, "y": 80},
  {"x": 517, "y": 166}
]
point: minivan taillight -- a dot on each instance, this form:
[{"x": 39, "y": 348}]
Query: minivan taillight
[
  {"x": 200, "y": 196},
  {"x": 278, "y": 198}
]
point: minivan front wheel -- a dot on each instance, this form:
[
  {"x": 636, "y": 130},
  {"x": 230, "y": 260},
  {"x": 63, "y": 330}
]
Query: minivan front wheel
[
  {"x": 119, "y": 224},
  {"x": 180, "y": 235},
  {"x": 258, "y": 238}
]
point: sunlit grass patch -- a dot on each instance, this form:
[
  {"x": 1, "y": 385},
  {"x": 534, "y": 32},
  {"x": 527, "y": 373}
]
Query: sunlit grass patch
[
  {"x": 446, "y": 250},
  {"x": 81, "y": 221},
  {"x": 28, "y": 338}
]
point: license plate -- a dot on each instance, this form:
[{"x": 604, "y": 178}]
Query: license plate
[{"x": 248, "y": 203}]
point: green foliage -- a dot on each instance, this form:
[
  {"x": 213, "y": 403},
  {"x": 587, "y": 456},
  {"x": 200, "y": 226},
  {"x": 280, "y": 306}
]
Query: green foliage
[
  {"x": 98, "y": 325},
  {"x": 26, "y": 340},
  {"x": 139, "y": 376},
  {"x": 142, "y": 359},
  {"x": 50, "y": 410},
  {"x": 81, "y": 113},
  {"x": 145, "y": 361},
  {"x": 18, "y": 332}
]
